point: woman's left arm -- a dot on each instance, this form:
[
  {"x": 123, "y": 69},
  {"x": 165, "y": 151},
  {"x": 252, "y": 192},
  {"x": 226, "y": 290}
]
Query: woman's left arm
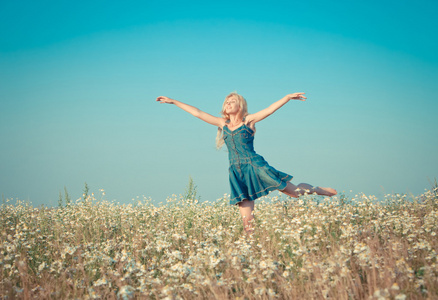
[{"x": 258, "y": 116}]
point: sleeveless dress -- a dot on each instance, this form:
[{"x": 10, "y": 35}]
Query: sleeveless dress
[{"x": 251, "y": 176}]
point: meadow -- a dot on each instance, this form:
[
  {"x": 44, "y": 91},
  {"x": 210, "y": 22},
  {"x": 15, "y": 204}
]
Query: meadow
[{"x": 306, "y": 248}]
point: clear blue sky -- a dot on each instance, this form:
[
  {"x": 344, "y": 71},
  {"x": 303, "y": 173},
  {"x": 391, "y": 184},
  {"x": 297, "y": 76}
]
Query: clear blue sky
[{"x": 78, "y": 82}]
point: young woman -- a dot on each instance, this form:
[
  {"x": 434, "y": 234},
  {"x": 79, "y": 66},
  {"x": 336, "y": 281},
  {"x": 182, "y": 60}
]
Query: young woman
[{"x": 250, "y": 175}]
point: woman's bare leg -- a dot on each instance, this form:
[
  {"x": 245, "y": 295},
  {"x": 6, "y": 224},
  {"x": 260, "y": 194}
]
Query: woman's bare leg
[
  {"x": 246, "y": 208},
  {"x": 298, "y": 190}
]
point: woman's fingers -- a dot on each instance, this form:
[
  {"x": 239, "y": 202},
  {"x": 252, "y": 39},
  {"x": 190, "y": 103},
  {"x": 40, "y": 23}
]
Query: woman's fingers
[
  {"x": 302, "y": 97},
  {"x": 299, "y": 96},
  {"x": 162, "y": 99}
]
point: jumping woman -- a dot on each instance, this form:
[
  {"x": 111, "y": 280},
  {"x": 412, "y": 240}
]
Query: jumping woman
[{"x": 251, "y": 176}]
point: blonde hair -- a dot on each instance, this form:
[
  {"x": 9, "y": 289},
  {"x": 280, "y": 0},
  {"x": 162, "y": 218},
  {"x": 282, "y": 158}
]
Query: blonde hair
[{"x": 243, "y": 112}]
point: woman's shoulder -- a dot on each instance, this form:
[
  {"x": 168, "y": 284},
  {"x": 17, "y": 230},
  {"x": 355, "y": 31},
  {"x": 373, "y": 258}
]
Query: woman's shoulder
[
  {"x": 248, "y": 120},
  {"x": 223, "y": 122}
]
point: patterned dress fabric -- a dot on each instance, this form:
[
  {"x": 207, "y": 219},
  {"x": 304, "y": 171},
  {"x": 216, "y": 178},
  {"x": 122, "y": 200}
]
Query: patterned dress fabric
[{"x": 251, "y": 176}]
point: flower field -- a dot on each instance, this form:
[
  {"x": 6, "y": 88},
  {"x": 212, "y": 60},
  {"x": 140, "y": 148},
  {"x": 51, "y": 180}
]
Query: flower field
[{"x": 306, "y": 248}]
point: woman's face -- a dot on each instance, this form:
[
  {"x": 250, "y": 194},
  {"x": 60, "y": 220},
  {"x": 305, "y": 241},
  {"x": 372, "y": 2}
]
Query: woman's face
[{"x": 232, "y": 106}]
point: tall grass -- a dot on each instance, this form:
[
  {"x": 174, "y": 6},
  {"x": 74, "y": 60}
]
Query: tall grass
[{"x": 310, "y": 248}]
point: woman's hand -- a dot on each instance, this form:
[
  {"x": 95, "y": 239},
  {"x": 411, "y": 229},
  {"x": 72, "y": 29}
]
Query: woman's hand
[
  {"x": 297, "y": 96},
  {"x": 163, "y": 99}
]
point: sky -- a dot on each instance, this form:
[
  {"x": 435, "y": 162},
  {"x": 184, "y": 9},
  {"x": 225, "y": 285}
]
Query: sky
[{"x": 78, "y": 83}]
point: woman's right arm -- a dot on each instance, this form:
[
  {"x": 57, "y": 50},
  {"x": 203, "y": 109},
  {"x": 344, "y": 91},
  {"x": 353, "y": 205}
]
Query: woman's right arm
[{"x": 216, "y": 121}]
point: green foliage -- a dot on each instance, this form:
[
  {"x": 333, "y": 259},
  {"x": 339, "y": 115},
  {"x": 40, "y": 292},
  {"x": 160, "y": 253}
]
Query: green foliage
[
  {"x": 85, "y": 194},
  {"x": 331, "y": 248},
  {"x": 191, "y": 191},
  {"x": 435, "y": 190},
  {"x": 60, "y": 200},
  {"x": 67, "y": 197}
]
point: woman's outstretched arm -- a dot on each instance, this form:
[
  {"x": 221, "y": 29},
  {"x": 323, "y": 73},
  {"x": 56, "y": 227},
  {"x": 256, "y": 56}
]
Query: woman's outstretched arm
[
  {"x": 216, "y": 121},
  {"x": 258, "y": 116}
]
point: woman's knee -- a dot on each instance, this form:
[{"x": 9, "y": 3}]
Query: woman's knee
[
  {"x": 246, "y": 208},
  {"x": 291, "y": 190},
  {"x": 246, "y": 203}
]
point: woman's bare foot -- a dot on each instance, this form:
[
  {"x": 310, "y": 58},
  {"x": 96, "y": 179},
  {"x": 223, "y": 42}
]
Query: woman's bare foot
[{"x": 326, "y": 191}]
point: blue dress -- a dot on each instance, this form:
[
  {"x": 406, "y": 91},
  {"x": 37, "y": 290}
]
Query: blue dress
[{"x": 251, "y": 176}]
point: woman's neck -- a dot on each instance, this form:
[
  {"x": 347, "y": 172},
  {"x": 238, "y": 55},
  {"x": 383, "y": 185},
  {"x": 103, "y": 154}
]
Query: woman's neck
[{"x": 236, "y": 119}]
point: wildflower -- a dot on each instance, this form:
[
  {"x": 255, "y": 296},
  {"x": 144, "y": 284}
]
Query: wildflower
[
  {"x": 271, "y": 292},
  {"x": 260, "y": 291},
  {"x": 92, "y": 293},
  {"x": 177, "y": 254},
  {"x": 126, "y": 292},
  {"x": 188, "y": 287},
  {"x": 381, "y": 294},
  {"x": 42, "y": 266},
  {"x": 101, "y": 281}
]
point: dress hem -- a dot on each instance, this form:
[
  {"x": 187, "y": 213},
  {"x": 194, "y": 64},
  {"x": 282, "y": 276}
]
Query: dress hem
[{"x": 264, "y": 192}]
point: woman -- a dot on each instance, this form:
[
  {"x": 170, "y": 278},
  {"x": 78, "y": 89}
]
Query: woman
[{"x": 250, "y": 175}]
